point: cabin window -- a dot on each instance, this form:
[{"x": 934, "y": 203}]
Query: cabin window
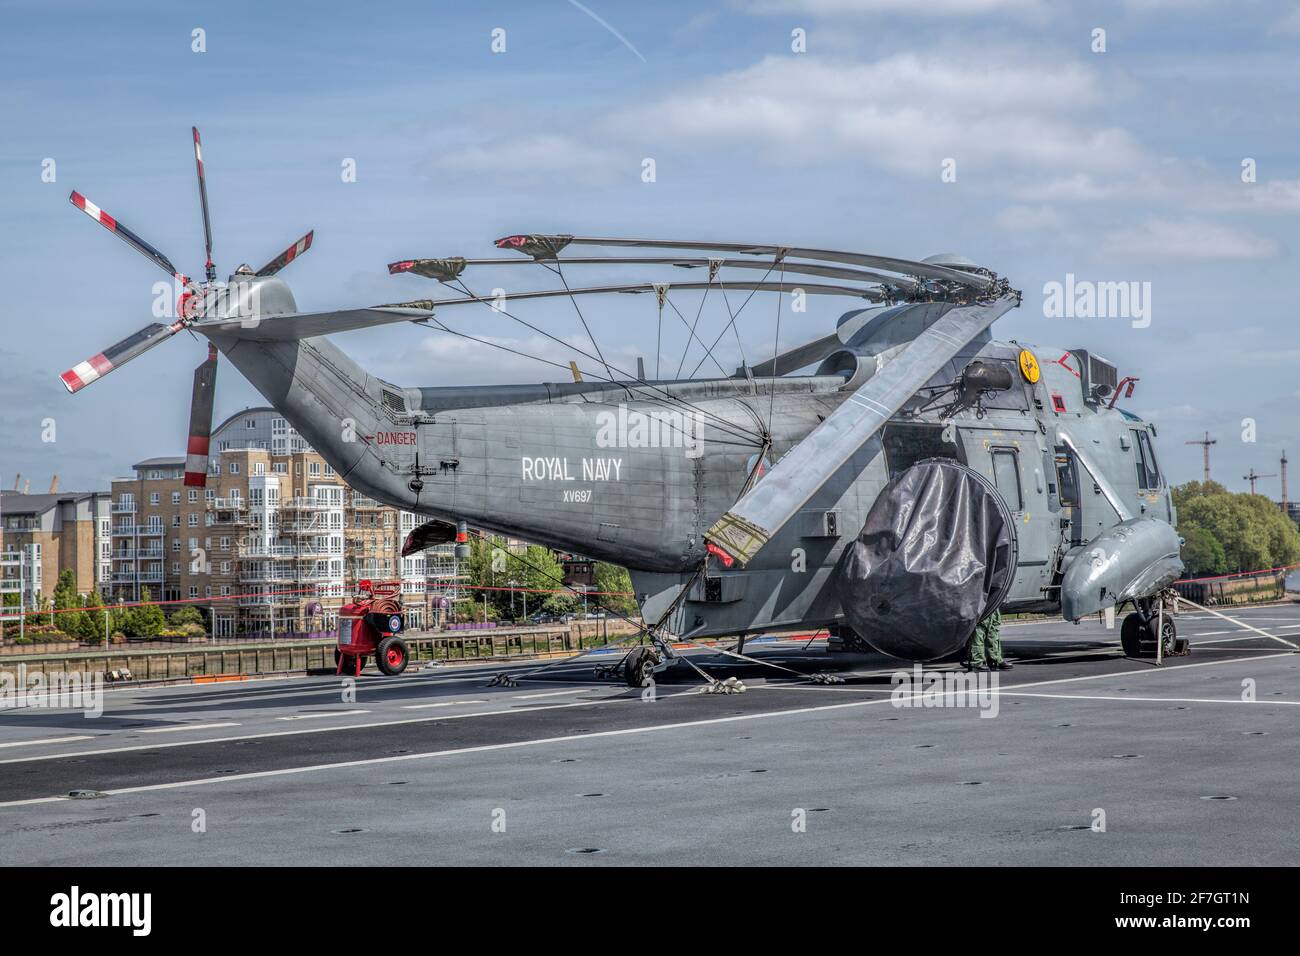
[
  {"x": 1006, "y": 475},
  {"x": 905, "y": 445},
  {"x": 1148, "y": 473}
]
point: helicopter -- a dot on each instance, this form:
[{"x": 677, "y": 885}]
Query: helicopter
[{"x": 894, "y": 481}]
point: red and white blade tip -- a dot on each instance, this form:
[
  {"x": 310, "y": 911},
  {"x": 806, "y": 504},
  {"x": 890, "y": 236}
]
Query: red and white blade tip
[
  {"x": 404, "y": 266},
  {"x": 83, "y": 373}
]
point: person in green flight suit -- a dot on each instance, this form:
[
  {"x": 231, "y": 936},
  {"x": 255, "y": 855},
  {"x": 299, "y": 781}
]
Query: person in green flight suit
[{"x": 984, "y": 650}]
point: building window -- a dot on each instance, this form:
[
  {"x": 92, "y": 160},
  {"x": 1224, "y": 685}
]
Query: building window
[
  {"x": 210, "y": 495},
  {"x": 176, "y": 521},
  {"x": 176, "y": 544},
  {"x": 176, "y": 497},
  {"x": 314, "y": 469},
  {"x": 225, "y": 544},
  {"x": 153, "y": 497},
  {"x": 176, "y": 567},
  {"x": 194, "y": 590},
  {"x": 194, "y": 495},
  {"x": 234, "y": 467},
  {"x": 250, "y": 422},
  {"x": 280, "y": 468},
  {"x": 259, "y": 468}
]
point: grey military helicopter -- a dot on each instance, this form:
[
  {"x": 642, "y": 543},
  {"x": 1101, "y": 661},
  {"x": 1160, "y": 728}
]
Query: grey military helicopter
[{"x": 982, "y": 474}]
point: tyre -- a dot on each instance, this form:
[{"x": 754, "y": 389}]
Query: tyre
[
  {"x": 639, "y": 667},
  {"x": 1169, "y": 636},
  {"x": 392, "y": 656},
  {"x": 1132, "y": 634}
]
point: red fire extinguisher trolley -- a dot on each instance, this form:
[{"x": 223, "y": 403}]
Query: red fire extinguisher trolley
[{"x": 371, "y": 624}]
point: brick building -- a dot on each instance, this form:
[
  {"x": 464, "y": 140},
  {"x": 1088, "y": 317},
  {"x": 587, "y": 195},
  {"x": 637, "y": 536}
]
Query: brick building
[
  {"x": 275, "y": 543},
  {"x": 51, "y": 533}
]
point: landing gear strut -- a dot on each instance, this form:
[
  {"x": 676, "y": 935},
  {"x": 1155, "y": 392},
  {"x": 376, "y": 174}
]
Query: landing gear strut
[{"x": 1137, "y": 633}]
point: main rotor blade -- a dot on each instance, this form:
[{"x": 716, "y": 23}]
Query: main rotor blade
[
  {"x": 763, "y": 511},
  {"x": 209, "y": 268},
  {"x": 542, "y": 246},
  {"x": 445, "y": 270},
  {"x": 127, "y": 236},
  {"x": 805, "y": 354},
  {"x": 117, "y": 355},
  {"x": 201, "y": 402},
  {"x": 286, "y": 257},
  {"x": 296, "y": 325}
]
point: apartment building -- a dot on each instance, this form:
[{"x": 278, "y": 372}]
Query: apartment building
[
  {"x": 43, "y": 535},
  {"x": 274, "y": 544}
]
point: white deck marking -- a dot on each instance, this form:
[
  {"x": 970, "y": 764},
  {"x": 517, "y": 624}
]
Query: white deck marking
[
  {"x": 441, "y": 703},
  {"x": 47, "y": 740},
  {"x": 168, "y": 730},
  {"x": 1154, "y": 700},
  {"x": 550, "y": 693},
  {"x": 332, "y": 713}
]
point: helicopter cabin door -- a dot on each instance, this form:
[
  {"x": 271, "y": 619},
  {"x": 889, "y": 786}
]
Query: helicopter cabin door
[{"x": 1015, "y": 462}]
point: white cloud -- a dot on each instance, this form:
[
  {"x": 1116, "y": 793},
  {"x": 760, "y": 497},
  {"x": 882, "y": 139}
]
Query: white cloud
[
  {"x": 858, "y": 8},
  {"x": 1186, "y": 240},
  {"x": 906, "y": 112},
  {"x": 1029, "y": 218},
  {"x": 543, "y": 155}
]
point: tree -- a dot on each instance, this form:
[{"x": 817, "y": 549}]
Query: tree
[
  {"x": 66, "y": 599},
  {"x": 185, "y": 614},
  {"x": 1202, "y": 553},
  {"x": 616, "y": 584},
  {"x": 1251, "y": 530},
  {"x": 145, "y": 619}
]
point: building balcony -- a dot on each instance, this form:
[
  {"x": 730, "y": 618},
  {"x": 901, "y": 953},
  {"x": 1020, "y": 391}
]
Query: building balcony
[
  {"x": 286, "y": 576},
  {"x": 228, "y": 504},
  {"x": 123, "y": 508},
  {"x": 310, "y": 504},
  {"x": 268, "y": 551},
  {"x": 138, "y": 531}
]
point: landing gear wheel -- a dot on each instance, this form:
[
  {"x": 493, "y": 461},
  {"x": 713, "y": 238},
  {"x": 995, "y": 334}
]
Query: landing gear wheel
[
  {"x": 1139, "y": 640},
  {"x": 639, "y": 667},
  {"x": 1132, "y": 633},
  {"x": 1169, "y": 636},
  {"x": 392, "y": 656}
]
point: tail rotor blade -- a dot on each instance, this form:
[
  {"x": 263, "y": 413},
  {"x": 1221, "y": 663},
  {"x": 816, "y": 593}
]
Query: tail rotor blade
[
  {"x": 210, "y": 269},
  {"x": 127, "y": 236},
  {"x": 286, "y": 257},
  {"x": 201, "y": 402},
  {"x": 117, "y": 355}
]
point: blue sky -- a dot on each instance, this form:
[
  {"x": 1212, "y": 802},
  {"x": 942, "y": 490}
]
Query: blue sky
[{"x": 1115, "y": 166}]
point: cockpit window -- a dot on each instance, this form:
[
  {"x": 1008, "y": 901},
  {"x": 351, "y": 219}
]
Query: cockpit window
[{"x": 1148, "y": 472}]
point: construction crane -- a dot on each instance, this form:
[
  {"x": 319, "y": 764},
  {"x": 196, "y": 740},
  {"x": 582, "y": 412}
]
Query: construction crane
[
  {"x": 1254, "y": 477},
  {"x": 1284, "y": 498},
  {"x": 1205, "y": 444}
]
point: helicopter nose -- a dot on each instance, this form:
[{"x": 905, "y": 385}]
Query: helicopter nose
[{"x": 936, "y": 553}]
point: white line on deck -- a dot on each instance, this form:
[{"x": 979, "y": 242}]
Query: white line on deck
[
  {"x": 441, "y": 703},
  {"x": 332, "y": 713},
  {"x": 168, "y": 730},
  {"x": 47, "y": 740}
]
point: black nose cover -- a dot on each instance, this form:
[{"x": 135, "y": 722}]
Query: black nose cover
[{"x": 935, "y": 555}]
